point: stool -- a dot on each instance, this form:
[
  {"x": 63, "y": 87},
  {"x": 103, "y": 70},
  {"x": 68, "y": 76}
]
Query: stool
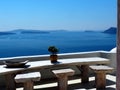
[
  {"x": 62, "y": 75},
  {"x": 100, "y": 75},
  {"x": 27, "y": 79}
]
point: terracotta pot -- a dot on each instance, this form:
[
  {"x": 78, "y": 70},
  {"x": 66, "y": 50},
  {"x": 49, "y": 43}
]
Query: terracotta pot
[{"x": 53, "y": 58}]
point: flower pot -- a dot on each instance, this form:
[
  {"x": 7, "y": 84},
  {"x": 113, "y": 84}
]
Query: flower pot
[{"x": 53, "y": 58}]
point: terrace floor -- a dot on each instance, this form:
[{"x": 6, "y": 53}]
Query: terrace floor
[{"x": 75, "y": 84}]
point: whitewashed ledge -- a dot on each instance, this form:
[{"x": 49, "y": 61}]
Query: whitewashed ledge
[{"x": 104, "y": 54}]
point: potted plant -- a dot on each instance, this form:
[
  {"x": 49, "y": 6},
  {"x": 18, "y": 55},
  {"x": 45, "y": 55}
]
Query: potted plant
[{"x": 53, "y": 56}]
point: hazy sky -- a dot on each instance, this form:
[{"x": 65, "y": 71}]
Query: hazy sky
[{"x": 58, "y": 14}]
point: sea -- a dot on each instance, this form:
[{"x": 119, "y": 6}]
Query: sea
[{"x": 27, "y": 44}]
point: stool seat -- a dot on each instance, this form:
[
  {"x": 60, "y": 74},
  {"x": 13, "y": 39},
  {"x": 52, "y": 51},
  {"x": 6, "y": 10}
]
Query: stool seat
[
  {"x": 68, "y": 72},
  {"x": 27, "y": 79},
  {"x": 104, "y": 68}
]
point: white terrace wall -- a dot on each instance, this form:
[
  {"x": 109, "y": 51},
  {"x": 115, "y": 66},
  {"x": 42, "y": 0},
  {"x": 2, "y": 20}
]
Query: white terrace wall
[
  {"x": 104, "y": 54},
  {"x": 111, "y": 56},
  {"x": 46, "y": 57}
]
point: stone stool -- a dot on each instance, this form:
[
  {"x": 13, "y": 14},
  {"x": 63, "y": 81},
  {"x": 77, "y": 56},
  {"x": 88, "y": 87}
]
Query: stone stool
[
  {"x": 62, "y": 75},
  {"x": 28, "y": 79},
  {"x": 100, "y": 75}
]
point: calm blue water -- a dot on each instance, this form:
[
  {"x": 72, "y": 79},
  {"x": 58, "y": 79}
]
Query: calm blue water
[{"x": 66, "y": 41}]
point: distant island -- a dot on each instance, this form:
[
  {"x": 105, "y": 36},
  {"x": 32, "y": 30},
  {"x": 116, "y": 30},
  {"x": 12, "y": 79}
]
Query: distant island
[
  {"x": 24, "y": 31},
  {"x": 29, "y": 31},
  {"x": 34, "y": 32},
  {"x": 89, "y": 31},
  {"x": 7, "y": 33},
  {"x": 111, "y": 30}
]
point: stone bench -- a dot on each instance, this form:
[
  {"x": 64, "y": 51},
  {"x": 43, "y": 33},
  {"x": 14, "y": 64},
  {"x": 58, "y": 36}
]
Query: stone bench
[
  {"x": 100, "y": 75},
  {"x": 28, "y": 79},
  {"x": 62, "y": 75}
]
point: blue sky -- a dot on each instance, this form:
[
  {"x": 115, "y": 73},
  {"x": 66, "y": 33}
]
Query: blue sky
[{"x": 58, "y": 14}]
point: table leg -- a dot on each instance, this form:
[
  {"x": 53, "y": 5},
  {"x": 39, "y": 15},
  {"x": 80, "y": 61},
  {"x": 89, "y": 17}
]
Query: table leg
[
  {"x": 84, "y": 73},
  {"x": 10, "y": 83}
]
